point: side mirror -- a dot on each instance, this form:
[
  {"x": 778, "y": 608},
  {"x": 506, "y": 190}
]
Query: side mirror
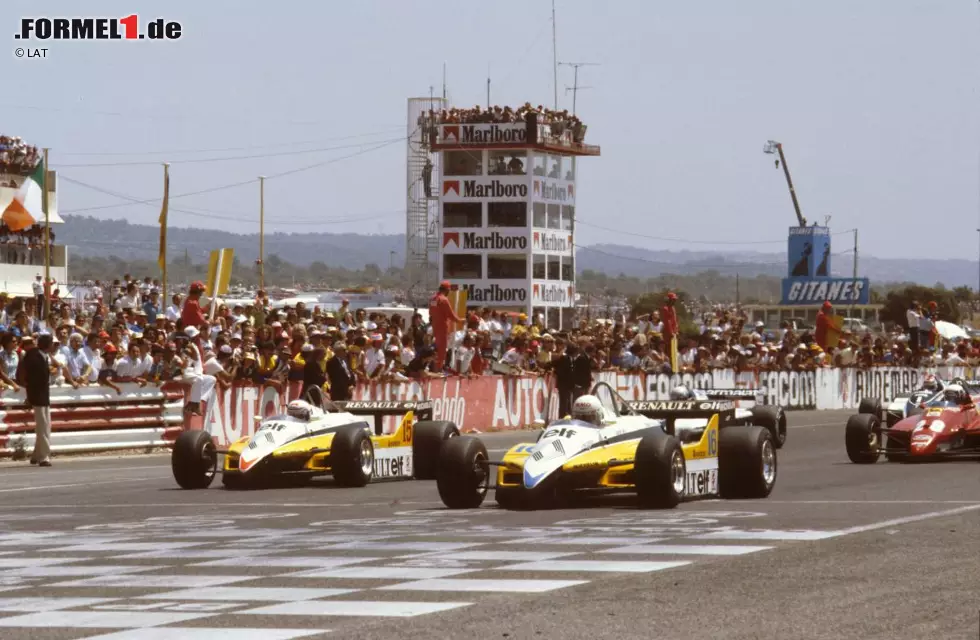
[
  {"x": 539, "y": 423},
  {"x": 258, "y": 419}
]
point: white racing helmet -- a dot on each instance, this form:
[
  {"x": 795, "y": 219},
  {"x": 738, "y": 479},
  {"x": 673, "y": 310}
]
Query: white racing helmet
[
  {"x": 956, "y": 393},
  {"x": 681, "y": 392},
  {"x": 588, "y": 409},
  {"x": 300, "y": 409}
]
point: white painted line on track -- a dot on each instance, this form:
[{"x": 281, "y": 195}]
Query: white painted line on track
[
  {"x": 78, "y": 484},
  {"x": 37, "y": 605},
  {"x": 99, "y": 619},
  {"x": 237, "y": 594},
  {"x": 209, "y": 633},
  {"x": 766, "y": 534},
  {"x": 501, "y": 556},
  {"x": 287, "y": 561},
  {"x": 683, "y": 549},
  {"x": 484, "y": 585},
  {"x": 906, "y": 520},
  {"x": 57, "y": 471},
  {"x": 589, "y": 566},
  {"x": 151, "y": 582},
  {"x": 387, "y": 609},
  {"x": 381, "y": 573}
]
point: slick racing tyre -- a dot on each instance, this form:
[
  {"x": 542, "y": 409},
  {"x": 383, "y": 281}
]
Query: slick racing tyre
[
  {"x": 862, "y": 437},
  {"x": 352, "y": 456},
  {"x": 427, "y": 441},
  {"x": 194, "y": 460},
  {"x": 660, "y": 471},
  {"x": 463, "y": 474},
  {"x": 747, "y": 465},
  {"x": 773, "y": 419},
  {"x": 870, "y": 405}
]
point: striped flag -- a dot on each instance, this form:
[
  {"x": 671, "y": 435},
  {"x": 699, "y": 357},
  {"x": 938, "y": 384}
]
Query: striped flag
[
  {"x": 25, "y": 209},
  {"x": 162, "y": 258}
]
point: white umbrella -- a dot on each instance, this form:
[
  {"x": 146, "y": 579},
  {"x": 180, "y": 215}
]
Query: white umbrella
[{"x": 950, "y": 331}]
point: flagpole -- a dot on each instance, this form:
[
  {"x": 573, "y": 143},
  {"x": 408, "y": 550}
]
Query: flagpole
[
  {"x": 47, "y": 239},
  {"x": 163, "y": 237},
  {"x": 261, "y": 233}
]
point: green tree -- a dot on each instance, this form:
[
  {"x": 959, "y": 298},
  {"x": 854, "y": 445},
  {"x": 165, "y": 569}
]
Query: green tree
[{"x": 897, "y": 303}]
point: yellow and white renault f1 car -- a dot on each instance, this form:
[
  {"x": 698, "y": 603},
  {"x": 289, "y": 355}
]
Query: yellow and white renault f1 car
[
  {"x": 319, "y": 438},
  {"x": 633, "y": 447}
]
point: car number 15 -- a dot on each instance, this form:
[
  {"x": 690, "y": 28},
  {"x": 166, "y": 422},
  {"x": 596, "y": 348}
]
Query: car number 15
[{"x": 713, "y": 442}]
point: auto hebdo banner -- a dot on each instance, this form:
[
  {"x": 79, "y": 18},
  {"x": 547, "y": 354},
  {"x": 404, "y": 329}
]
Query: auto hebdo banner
[
  {"x": 492, "y": 403},
  {"x": 485, "y": 188}
]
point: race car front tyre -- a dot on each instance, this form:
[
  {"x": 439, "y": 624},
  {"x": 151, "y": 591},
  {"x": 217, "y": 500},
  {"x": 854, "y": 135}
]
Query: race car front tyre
[
  {"x": 463, "y": 473},
  {"x": 862, "y": 437},
  {"x": 660, "y": 471},
  {"x": 872, "y": 406},
  {"x": 774, "y": 419},
  {"x": 194, "y": 460},
  {"x": 747, "y": 463},
  {"x": 352, "y": 456},
  {"x": 426, "y": 444}
]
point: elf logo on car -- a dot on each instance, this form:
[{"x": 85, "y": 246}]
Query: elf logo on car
[
  {"x": 389, "y": 467},
  {"x": 700, "y": 483}
]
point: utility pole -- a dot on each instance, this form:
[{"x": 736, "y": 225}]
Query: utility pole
[
  {"x": 46, "y": 307},
  {"x": 488, "y": 87},
  {"x": 262, "y": 233},
  {"x": 554, "y": 51},
  {"x": 575, "y": 88},
  {"x": 854, "y": 273}
]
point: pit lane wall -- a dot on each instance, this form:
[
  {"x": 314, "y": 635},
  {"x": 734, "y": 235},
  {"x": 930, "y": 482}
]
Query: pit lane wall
[{"x": 97, "y": 419}]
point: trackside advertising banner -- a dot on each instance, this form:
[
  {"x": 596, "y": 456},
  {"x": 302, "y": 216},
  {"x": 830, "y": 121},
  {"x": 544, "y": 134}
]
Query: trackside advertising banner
[{"x": 492, "y": 403}]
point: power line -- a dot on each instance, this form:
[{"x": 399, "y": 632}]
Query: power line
[
  {"x": 219, "y": 149},
  {"x": 204, "y": 213},
  {"x": 225, "y": 158},
  {"x": 220, "y": 187},
  {"x": 687, "y": 241}
]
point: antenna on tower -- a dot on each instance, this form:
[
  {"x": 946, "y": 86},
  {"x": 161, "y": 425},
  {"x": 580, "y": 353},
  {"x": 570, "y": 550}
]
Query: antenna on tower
[
  {"x": 575, "y": 88},
  {"x": 488, "y": 86},
  {"x": 443, "y": 80},
  {"x": 554, "y": 50}
]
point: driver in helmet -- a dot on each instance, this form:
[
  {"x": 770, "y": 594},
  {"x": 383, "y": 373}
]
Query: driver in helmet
[
  {"x": 588, "y": 409},
  {"x": 682, "y": 392},
  {"x": 930, "y": 383},
  {"x": 956, "y": 393},
  {"x": 300, "y": 409}
]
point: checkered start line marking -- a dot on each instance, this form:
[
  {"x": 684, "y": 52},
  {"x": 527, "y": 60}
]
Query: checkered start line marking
[{"x": 149, "y": 582}]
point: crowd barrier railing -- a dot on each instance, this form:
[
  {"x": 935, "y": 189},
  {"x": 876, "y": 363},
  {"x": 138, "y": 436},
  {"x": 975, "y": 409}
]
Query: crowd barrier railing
[{"x": 96, "y": 418}]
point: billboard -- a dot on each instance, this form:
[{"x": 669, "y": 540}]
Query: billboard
[
  {"x": 816, "y": 291},
  {"x": 546, "y": 293},
  {"x": 489, "y": 293},
  {"x": 808, "y": 252},
  {"x": 555, "y": 242},
  {"x": 483, "y": 240},
  {"x": 485, "y": 188},
  {"x": 483, "y": 135},
  {"x": 553, "y": 191}
]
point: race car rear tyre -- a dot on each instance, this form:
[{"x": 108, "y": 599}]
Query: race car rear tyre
[
  {"x": 747, "y": 462},
  {"x": 426, "y": 444},
  {"x": 862, "y": 437},
  {"x": 194, "y": 460},
  {"x": 352, "y": 456},
  {"x": 463, "y": 473},
  {"x": 872, "y": 406},
  {"x": 774, "y": 419},
  {"x": 660, "y": 471}
]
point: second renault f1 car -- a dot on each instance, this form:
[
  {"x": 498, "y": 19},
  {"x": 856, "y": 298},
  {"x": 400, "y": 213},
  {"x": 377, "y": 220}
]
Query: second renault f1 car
[
  {"x": 635, "y": 448},
  {"x": 319, "y": 438},
  {"x": 769, "y": 416}
]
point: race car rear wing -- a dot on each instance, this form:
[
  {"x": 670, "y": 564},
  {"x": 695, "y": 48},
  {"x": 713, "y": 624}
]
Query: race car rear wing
[
  {"x": 733, "y": 394},
  {"x": 422, "y": 409},
  {"x": 670, "y": 410}
]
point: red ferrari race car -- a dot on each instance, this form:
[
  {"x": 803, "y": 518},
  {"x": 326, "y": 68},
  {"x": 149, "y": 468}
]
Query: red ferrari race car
[{"x": 947, "y": 427}]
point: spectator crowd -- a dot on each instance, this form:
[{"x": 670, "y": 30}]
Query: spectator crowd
[
  {"x": 23, "y": 247},
  {"x": 559, "y": 121},
  {"x": 128, "y": 333},
  {"x": 17, "y": 157}
]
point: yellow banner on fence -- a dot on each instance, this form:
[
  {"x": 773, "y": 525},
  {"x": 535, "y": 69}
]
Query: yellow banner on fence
[{"x": 219, "y": 271}]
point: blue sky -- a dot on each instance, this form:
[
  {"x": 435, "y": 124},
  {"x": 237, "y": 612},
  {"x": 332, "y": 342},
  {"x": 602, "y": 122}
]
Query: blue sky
[{"x": 875, "y": 101}]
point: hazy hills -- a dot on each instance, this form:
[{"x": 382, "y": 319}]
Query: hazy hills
[{"x": 91, "y": 237}]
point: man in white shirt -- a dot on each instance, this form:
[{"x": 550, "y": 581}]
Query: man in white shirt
[
  {"x": 131, "y": 368},
  {"x": 374, "y": 357},
  {"x": 77, "y": 363},
  {"x": 463, "y": 355},
  {"x": 912, "y": 317},
  {"x": 94, "y": 355},
  {"x": 173, "y": 311}
]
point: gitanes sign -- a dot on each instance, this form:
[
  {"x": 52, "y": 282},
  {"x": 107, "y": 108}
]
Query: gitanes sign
[
  {"x": 485, "y": 188},
  {"x": 496, "y": 293},
  {"x": 453, "y": 241},
  {"x": 483, "y": 134},
  {"x": 552, "y": 294},
  {"x": 816, "y": 291}
]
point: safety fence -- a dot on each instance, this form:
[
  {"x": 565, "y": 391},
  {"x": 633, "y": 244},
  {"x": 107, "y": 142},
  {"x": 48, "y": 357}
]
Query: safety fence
[{"x": 96, "y": 418}]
